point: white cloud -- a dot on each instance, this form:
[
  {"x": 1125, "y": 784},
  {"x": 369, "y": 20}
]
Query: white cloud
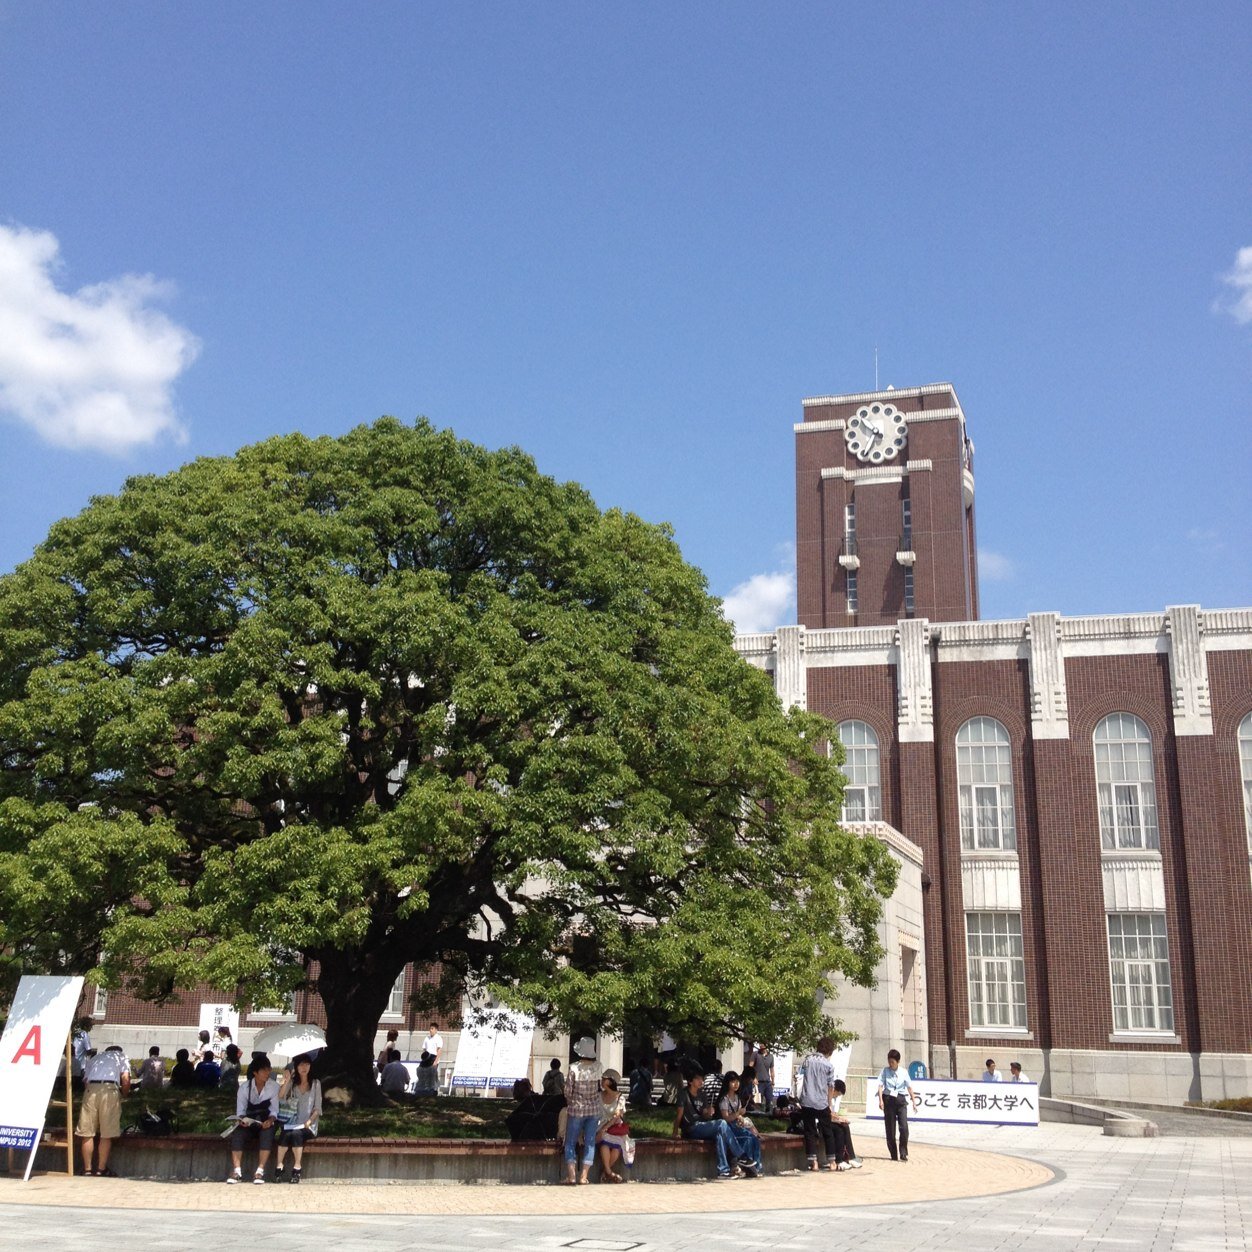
[
  {"x": 1239, "y": 304},
  {"x": 994, "y": 567},
  {"x": 92, "y": 368},
  {"x": 764, "y": 602}
]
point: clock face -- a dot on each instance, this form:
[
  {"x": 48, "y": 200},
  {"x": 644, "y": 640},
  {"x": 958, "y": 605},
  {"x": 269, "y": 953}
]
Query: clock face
[{"x": 876, "y": 433}]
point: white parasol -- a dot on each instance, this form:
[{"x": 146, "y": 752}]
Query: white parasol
[{"x": 289, "y": 1040}]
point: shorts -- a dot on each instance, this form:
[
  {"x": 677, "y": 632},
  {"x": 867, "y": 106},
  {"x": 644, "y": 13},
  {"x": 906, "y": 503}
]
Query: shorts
[{"x": 101, "y": 1112}]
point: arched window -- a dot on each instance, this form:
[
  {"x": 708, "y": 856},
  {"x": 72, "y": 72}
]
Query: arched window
[
  {"x": 1245, "y": 770},
  {"x": 862, "y": 796},
  {"x": 984, "y": 776},
  {"x": 1124, "y": 784}
]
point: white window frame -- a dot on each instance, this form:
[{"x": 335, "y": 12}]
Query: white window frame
[
  {"x": 910, "y": 601},
  {"x": 100, "y": 1005},
  {"x": 1245, "y": 774},
  {"x": 396, "y": 1000},
  {"x": 984, "y": 776},
  {"x": 274, "y": 1014},
  {"x": 863, "y": 769},
  {"x": 849, "y": 523},
  {"x": 1140, "y": 979},
  {"x": 995, "y": 960},
  {"x": 1125, "y": 784},
  {"x": 851, "y": 591}
]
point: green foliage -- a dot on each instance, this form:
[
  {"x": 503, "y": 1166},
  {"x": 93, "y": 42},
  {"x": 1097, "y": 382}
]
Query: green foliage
[{"x": 394, "y": 697}]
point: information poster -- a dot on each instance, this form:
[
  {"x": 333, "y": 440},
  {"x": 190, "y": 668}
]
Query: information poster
[
  {"x": 492, "y": 1055},
  {"x": 31, "y": 1049},
  {"x": 214, "y": 1015},
  {"x": 989, "y": 1103}
]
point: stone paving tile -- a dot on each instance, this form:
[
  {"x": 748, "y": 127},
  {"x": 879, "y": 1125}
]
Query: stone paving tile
[{"x": 1108, "y": 1195}]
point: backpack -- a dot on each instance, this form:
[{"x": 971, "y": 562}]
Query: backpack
[{"x": 158, "y": 1125}]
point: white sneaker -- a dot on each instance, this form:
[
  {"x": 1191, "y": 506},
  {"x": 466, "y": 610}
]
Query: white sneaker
[
  {"x": 237, "y": 1176},
  {"x": 842, "y": 1167},
  {"x": 258, "y": 1178},
  {"x": 856, "y": 1162}
]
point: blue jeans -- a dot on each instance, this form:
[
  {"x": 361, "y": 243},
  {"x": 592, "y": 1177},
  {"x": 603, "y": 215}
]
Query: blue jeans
[
  {"x": 586, "y": 1128},
  {"x": 719, "y": 1132},
  {"x": 746, "y": 1145}
]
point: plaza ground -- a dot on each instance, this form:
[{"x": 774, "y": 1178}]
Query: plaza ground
[{"x": 1073, "y": 1189}]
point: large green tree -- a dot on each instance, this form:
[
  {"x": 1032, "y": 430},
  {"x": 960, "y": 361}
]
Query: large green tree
[{"x": 301, "y": 715}]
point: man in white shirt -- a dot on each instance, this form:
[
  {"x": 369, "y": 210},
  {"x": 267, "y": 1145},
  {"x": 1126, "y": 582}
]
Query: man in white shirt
[
  {"x": 433, "y": 1043},
  {"x": 107, "y": 1078},
  {"x": 991, "y": 1074},
  {"x": 1015, "y": 1070}
]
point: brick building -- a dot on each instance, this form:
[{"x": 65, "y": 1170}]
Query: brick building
[{"x": 1080, "y": 788}]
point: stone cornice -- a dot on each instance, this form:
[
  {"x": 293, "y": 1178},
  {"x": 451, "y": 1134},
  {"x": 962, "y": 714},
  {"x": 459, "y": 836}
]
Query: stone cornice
[{"x": 859, "y": 397}]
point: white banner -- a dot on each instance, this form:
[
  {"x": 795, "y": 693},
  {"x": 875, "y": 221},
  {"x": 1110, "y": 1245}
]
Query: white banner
[
  {"x": 488, "y": 1057},
  {"x": 31, "y": 1049},
  {"x": 214, "y": 1015},
  {"x": 942, "y": 1100}
]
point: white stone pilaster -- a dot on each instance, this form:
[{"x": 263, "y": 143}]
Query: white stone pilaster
[
  {"x": 1188, "y": 670},
  {"x": 915, "y": 701},
  {"x": 790, "y": 679},
  {"x": 1049, "y": 700}
]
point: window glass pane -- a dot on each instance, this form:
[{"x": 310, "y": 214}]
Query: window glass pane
[
  {"x": 1139, "y": 972},
  {"x": 996, "y": 968},
  {"x": 984, "y": 770}
]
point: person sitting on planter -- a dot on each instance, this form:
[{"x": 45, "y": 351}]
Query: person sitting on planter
[
  {"x": 301, "y": 1088},
  {"x": 184, "y": 1072},
  {"x": 696, "y": 1119},
  {"x": 256, "y": 1107},
  {"x": 613, "y": 1134},
  {"x": 536, "y": 1116},
  {"x": 208, "y": 1072}
]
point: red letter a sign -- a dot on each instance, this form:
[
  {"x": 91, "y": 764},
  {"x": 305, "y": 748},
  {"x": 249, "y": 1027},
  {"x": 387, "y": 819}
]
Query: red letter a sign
[{"x": 30, "y": 1047}]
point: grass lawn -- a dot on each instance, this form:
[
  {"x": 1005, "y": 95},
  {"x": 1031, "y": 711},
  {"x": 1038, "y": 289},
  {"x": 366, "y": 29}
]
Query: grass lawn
[{"x": 443, "y": 1117}]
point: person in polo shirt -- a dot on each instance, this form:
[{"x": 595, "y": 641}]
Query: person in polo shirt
[
  {"x": 894, "y": 1093},
  {"x": 107, "y": 1078}
]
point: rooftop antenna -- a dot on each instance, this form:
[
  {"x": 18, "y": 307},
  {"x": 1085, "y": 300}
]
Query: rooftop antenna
[{"x": 875, "y": 367}]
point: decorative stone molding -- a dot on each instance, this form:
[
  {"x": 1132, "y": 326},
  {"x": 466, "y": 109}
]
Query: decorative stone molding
[
  {"x": 756, "y": 649},
  {"x": 897, "y": 842},
  {"x": 915, "y": 706},
  {"x": 1226, "y": 629},
  {"x": 857, "y": 397},
  {"x": 884, "y": 475},
  {"x": 1133, "y": 884},
  {"x": 1049, "y": 699},
  {"x": 790, "y": 674},
  {"x": 1189, "y": 670},
  {"x": 916, "y": 467},
  {"x": 906, "y": 558},
  {"x": 1111, "y": 634},
  {"x": 850, "y": 562},
  {"x": 980, "y": 641},
  {"x": 990, "y": 883},
  {"x": 833, "y": 423}
]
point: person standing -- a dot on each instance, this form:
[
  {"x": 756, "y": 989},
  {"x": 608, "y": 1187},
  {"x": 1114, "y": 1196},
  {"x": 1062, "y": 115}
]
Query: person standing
[
  {"x": 817, "y": 1090},
  {"x": 765, "y": 1077},
  {"x": 433, "y": 1044},
  {"x": 79, "y": 1049},
  {"x": 895, "y": 1090},
  {"x": 106, "y": 1078},
  {"x": 582, "y": 1096},
  {"x": 384, "y": 1055},
  {"x": 554, "y": 1080}
]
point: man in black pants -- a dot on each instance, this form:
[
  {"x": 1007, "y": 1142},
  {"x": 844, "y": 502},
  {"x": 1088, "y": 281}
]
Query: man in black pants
[
  {"x": 817, "y": 1089},
  {"x": 894, "y": 1092}
]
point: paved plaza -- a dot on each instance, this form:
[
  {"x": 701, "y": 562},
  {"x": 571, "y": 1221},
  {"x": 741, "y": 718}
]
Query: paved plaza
[{"x": 1077, "y": 1190}]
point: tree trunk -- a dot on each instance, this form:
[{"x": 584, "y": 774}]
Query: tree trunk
[{"x": 354, "y": 988}]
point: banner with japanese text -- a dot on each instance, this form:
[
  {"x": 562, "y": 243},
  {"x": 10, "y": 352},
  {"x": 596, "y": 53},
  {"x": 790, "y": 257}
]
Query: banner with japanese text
[
  {"x": 944, "y": 1100},
  {"x": 31, "y": 1049}
]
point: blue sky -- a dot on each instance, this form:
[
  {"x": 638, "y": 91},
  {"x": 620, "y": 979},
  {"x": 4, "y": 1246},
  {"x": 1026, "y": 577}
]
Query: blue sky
[{"x": 631, "y": 239}]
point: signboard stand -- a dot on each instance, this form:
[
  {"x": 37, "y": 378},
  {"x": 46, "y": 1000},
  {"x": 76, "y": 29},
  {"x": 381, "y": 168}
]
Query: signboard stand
[{"x": 42, "y": 1010}]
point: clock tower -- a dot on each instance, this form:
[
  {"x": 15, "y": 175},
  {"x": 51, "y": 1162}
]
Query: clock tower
[{"x": 885, "y": 509}]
